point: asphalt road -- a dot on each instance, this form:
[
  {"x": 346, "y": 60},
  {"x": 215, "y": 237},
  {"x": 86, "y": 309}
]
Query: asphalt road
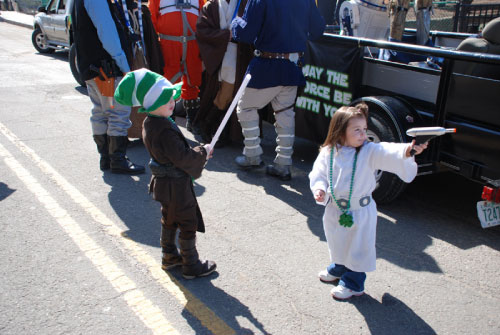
[{"x": 80, "y": 249}]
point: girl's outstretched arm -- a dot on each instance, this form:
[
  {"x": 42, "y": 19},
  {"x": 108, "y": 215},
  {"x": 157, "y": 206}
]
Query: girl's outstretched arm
[{"x": 418, "y": 148}]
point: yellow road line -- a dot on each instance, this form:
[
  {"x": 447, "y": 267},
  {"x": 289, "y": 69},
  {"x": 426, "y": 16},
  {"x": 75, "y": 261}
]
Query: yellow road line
[
  {"x": 199, "y": 310},
  {"x": 150, "y": 314}
]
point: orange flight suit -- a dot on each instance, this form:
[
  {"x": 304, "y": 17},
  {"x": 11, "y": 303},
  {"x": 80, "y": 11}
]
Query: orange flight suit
[{"x": 167, "y": 20}]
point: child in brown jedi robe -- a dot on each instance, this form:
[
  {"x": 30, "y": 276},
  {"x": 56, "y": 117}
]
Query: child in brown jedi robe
[{"x": 173, "y": 164}]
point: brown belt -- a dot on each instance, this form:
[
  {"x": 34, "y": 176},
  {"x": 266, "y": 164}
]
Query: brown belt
[{"x": 274, "y": 55}]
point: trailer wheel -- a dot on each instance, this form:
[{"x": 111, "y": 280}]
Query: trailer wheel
[
  {"x": 73, "y": 65},
  {"x": 382, "y": 127}
]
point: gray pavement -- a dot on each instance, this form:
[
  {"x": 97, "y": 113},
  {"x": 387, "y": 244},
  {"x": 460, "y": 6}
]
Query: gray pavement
[
  {"x": 437, "y": 269},
  {"x": 17, "y": 18}
]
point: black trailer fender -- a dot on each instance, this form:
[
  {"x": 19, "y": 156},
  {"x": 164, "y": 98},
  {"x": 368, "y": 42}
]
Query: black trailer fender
[{"x": 388, "y": 120}]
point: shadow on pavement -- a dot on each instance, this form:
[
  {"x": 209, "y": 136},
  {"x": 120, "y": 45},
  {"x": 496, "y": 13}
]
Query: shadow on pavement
[
  {"x": 391, "y": 316},
  {"x": 131, "y": 202},
  {"x": 440, "y": 206},
  {"x": 81, "y": 90},
  {"x": 5, "y": 191},
  {"x": 295, "y": 193},
  {"x": 219, "y": 302},
  {"x": 56, "y": 55},
  {"x": 405, "y": 227}
]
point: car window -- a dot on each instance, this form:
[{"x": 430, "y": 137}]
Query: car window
[
  {"x": 57, "y": 6},
  {"x": 62, "y": 4},
  {"x": 52, "y": 8}
]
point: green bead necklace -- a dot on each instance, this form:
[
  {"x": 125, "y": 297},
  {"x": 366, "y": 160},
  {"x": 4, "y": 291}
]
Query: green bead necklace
[{"x": 345, "y": 219}]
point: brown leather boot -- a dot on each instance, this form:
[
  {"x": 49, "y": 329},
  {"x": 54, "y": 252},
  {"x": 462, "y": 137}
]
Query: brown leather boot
[
  {"x": 192, "y": 267},
  {"x": 170, "y": 254}
]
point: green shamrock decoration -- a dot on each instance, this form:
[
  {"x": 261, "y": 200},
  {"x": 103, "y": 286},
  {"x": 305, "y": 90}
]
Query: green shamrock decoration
[{"x": 346, "y": 220}]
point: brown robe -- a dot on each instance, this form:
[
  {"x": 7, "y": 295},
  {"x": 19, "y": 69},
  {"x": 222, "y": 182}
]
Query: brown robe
[
  {"x": 212, "y": 42},
  {"x": 166, "y": 144}
]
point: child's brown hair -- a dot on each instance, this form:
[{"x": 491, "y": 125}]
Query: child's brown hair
[{"x": 339, "y": 121}]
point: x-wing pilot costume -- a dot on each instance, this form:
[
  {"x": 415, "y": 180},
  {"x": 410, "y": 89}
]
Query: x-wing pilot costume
[
  {"x": 279, "y": 31},
  {"x": 175, "y": 23}
]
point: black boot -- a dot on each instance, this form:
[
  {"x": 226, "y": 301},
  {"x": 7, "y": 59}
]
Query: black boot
[
  {"x": 191, "y": 107},
  {"x": 210, "y": 125},
  {"x": 119, "y": 160},
  {"x": 170, "y": 254},
  {"x": 192, "y": 267},
  {"x": 102, "y": 148},
  {"x": 224, "y": 138}
]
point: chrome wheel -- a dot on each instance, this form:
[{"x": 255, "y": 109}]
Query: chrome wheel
[{"x": 40, "y": 42}]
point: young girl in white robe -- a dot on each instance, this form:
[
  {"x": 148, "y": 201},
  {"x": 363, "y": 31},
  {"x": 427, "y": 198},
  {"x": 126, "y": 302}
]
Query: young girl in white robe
[{"x": 343, "y": 179}]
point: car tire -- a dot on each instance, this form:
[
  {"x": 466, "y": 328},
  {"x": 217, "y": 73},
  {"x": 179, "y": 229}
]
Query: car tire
[
  {"x": 73, "y": 65},
  {"x": 39, "y": 42}
]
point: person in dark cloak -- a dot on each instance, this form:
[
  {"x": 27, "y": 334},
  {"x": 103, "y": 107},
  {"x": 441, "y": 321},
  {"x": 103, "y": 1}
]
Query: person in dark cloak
[{"x": 226, "y": 62}]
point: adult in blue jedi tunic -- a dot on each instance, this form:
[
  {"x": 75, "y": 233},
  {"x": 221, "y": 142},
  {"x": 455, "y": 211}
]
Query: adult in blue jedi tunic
[{"x": 279, "y": 31}]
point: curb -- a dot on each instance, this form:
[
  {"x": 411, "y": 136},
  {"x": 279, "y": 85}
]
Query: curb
[{"x": 17, "y": 23}]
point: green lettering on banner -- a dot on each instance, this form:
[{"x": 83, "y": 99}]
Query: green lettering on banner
[
  {"x": 313, "y": 72},
  {"x": 337, "y": 78},
  {"x": 342, "y": 98},
  {"x": 308, "y": 104},
  {"x": 317, "y": 90},
  {"x": 324, "y": 92},
  {"x": 329, "y": 110}
]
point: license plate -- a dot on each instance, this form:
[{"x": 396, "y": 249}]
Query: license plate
[{"x": 488, "y": 213}]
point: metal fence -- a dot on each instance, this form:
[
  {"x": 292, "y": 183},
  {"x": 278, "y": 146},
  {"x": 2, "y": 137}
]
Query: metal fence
[
  {"x": 457, "y": 17},
  {"x": 472, "y": 18},
  {"x": 450, "y": 16},
  {"x": 442, "y": 17}
]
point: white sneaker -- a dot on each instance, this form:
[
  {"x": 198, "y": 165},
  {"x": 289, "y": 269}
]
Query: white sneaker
[
  {"x": 342, "y": 292},
  {"x": 326, "y": 277}
]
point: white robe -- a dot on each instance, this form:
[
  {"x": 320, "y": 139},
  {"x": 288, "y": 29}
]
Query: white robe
[
  {"x": 354, "y": 247},
  {"x": 227, "y": 71}
]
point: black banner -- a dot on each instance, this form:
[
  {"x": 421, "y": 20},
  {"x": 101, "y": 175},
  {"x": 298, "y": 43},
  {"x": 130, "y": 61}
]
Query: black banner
[{"x": 333, "y": 75}]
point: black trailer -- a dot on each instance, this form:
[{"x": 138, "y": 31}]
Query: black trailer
[{"x": 462, "y": 93}]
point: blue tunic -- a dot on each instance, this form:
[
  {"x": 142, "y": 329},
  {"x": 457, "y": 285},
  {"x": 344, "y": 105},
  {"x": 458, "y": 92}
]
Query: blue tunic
[
  {"x": 278, "y": 26},
  {"x": 100, "y": 15}
]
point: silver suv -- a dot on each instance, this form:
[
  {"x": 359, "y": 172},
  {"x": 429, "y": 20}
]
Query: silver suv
[
  {"x": 50, "y": 28},
  {"x": 52, "y": 31}
]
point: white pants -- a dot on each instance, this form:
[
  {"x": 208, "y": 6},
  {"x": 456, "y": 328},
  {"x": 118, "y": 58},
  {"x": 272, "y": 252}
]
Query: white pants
[{"x": 282, "y": 99}]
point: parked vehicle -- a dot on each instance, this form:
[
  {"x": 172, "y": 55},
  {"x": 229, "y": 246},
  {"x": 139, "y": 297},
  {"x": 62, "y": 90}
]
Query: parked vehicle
[
  {"x": 51, "y": 31},
  {"x": 460, "y": 90},
  {"x": 50, "y": 28}
]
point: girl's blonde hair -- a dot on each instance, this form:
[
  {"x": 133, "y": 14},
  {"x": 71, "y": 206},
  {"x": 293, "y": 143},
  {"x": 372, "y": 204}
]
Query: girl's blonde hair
[{"x": 339, "y": 121}]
